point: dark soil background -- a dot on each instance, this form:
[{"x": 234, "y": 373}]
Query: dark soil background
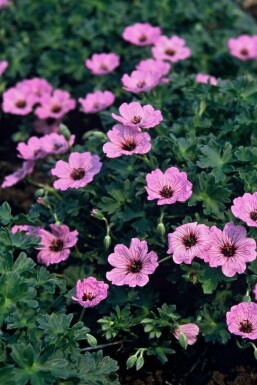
[{"x": 215, "y": 364}]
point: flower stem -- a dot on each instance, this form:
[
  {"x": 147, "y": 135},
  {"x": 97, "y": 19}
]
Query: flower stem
[
  {"x": 164, "y": 259},
  {"x": 82, "y": 314},
  {"x": 105, "y": 345}
]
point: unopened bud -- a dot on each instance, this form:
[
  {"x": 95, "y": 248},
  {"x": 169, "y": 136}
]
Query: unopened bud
[
  {"x": 65, "y": 131},
  {"x": 97, "y": 214},
  {"x": 40, "y": 192},
  {"x": 107, "y": 242},
  {"x": 160, "y": 229}
]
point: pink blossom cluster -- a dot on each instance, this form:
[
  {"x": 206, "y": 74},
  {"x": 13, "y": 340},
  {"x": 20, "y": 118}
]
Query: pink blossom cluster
[
  {"x": 38, "y": 95},
  {"x": 242, "y": 320},
  {"x": 244, "y": 47},
  {"x": 206, "y": 79}
]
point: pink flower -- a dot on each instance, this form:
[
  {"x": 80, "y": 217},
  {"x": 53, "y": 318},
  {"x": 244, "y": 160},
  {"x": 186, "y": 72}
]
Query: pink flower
[
  {"x": 255, "y": 292},
  {"x": 126, "y": 141},
  {"x": 97, "y": 101},
  {"x": 141, "y": 34},
  {"x": 168, "y": 187},
  {"x": 230, "y": 249},
  {"x": 188, "y": 241},
  {"x": 90, "y": 292},
  {"x": 173, "y": 49},
  {"x": 136, "y": 116},
  {"x": 3, "y": 65},
  {"x": 207, "y": 79},
  {"x": 133, "y": 265},
  {"x": 37, "y": 87},
  {"x": 242, "y": 320},
  {"x": 55, "y": 246},
  {"x": 26, "y": 169},
  {"x": 56, "y": 143},
  {"x": 78, "y": 172},
  {"x": 3, "y": 3},
  {"x": 32, "y": 150},
  {"x": 47, "y": 126},
  {"x": 140, "y": 81},
  {"x": 103, "y": 63},
  {"x": 158, "y": 66},
  {"x": 18, "y": 101},
  {"x": 245, "y": 208},
  {"x": 190, "y": 330},
  {"x": 55, "y": 106},
  {"x": 29, "y": 230},
  {"x": 244, "y": 47}
]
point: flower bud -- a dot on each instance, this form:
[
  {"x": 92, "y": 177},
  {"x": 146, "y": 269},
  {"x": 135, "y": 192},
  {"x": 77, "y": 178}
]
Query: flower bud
[
  {"x": 107, "y": 242},
  {"x": 160, "y": 229},
  {"x": 97, "y": 214},
  {"x": 65, "y": 131}
]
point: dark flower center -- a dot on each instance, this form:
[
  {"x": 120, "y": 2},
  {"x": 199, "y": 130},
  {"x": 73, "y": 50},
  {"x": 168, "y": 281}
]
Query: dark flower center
[
  {"x": 166, "y": 192},
  {"x": 50, "y": 121},
  {"x": 88, "y": 296},
  {"x": 253, "y": 215},
  {"x": 135, "y": 267},
  {"x": 228, "y": 250},
  {"x": 78, "y": 173},
  {"x": 129, "y": 145},
  {"x": 57, "y": 245},
  {"x": 136, "y": 119},
  {"x": 142, "y": 38},
  {"x": 103, "y": 67},
  {"x": 57, "y": 146},
  {"x": 244, "y": 51},
  {"x": 170, "y": 52},
  {"x": 20, "y": 104},
  {"x": 56, "y": 108},
  {"x": 141, "y": 84},
  {"x": 36, "y": 152},
  {"x": 245, "y": 326},
  {"x": 96, "y": 105},
  {"x": 190, "y": 240}
]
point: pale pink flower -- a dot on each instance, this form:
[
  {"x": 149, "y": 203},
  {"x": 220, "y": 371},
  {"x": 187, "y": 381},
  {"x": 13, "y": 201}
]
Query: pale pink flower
[
  {"x": 168, "y": 187},
  {"x": 158, "y": 66},
  {"x": 173, "y": 49},
  {"x": 136, "y": 116},
  {"x": 18, "y": 101},
  {"x": 140, "y": 81},
  {"x": 56, "y": 143},
  {"x": 33, "y": 231},
  {"x": 141, "y": 34},
  {"x": 245, "y": 208},
  {"x": 55, "y": 106},
  {"x": 3, "y": 66},
  {"x": 207, "y": 79},
  {"x": 26, "y": 169},
  {"x": 47, "y": 126},
  {"x": 90, "y": 292},
  {"x": 132, "y": 265},
  {"x": 190, "y": 330},
  {"x": 188, "y": 241},
  {"x": 97, "y": 101},
  {"x": 255, "y": 292},
  {"x": 243, "y": 47},
  {"x": 102, "y": 63},
  {"x": 32, "y": 150},
  {"x": 3, "y": 3},
  {"x": 126, "y": 141},
  {"x": 230, "y": 249},
  {"x": 78, "y": 172},
  {"x": 38, "y": 87},
  {"x": 242, "y": 320},
  {"x": 55, "y": 246}
]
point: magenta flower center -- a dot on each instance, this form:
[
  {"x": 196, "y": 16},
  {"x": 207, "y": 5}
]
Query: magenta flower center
[
  {"x": 78, "y": 173},
  {"x": 166, "y": 192},
  {"x": 253, "y": 215},
  {"x": 245, "y": 326},
  {"x": 136, "y": 119},
  {"x": 170, "y": 52},
  {"x": 20, "y": 104},
  {"x": 228, "y": 250},
  {"x": 129, "y": 145},
  {"x": 135, "y": 267},
  {"x": 142, "y": 38},
  {"x": 190, "y": 240},
  {"x": 244, "y": 51},
  {"x": 141, "y": 84},
  {"x": 56, "y": 108},
  {"x": 88, "y": 296},
  {"x": 57, "y": 245}
]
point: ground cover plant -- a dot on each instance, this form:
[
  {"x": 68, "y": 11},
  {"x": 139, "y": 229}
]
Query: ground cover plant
[{"x": 135, "y": 130}]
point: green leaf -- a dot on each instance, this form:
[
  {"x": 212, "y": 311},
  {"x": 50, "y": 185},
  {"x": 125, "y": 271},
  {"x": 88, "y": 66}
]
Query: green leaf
[{"x": 5, "y": 213}]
